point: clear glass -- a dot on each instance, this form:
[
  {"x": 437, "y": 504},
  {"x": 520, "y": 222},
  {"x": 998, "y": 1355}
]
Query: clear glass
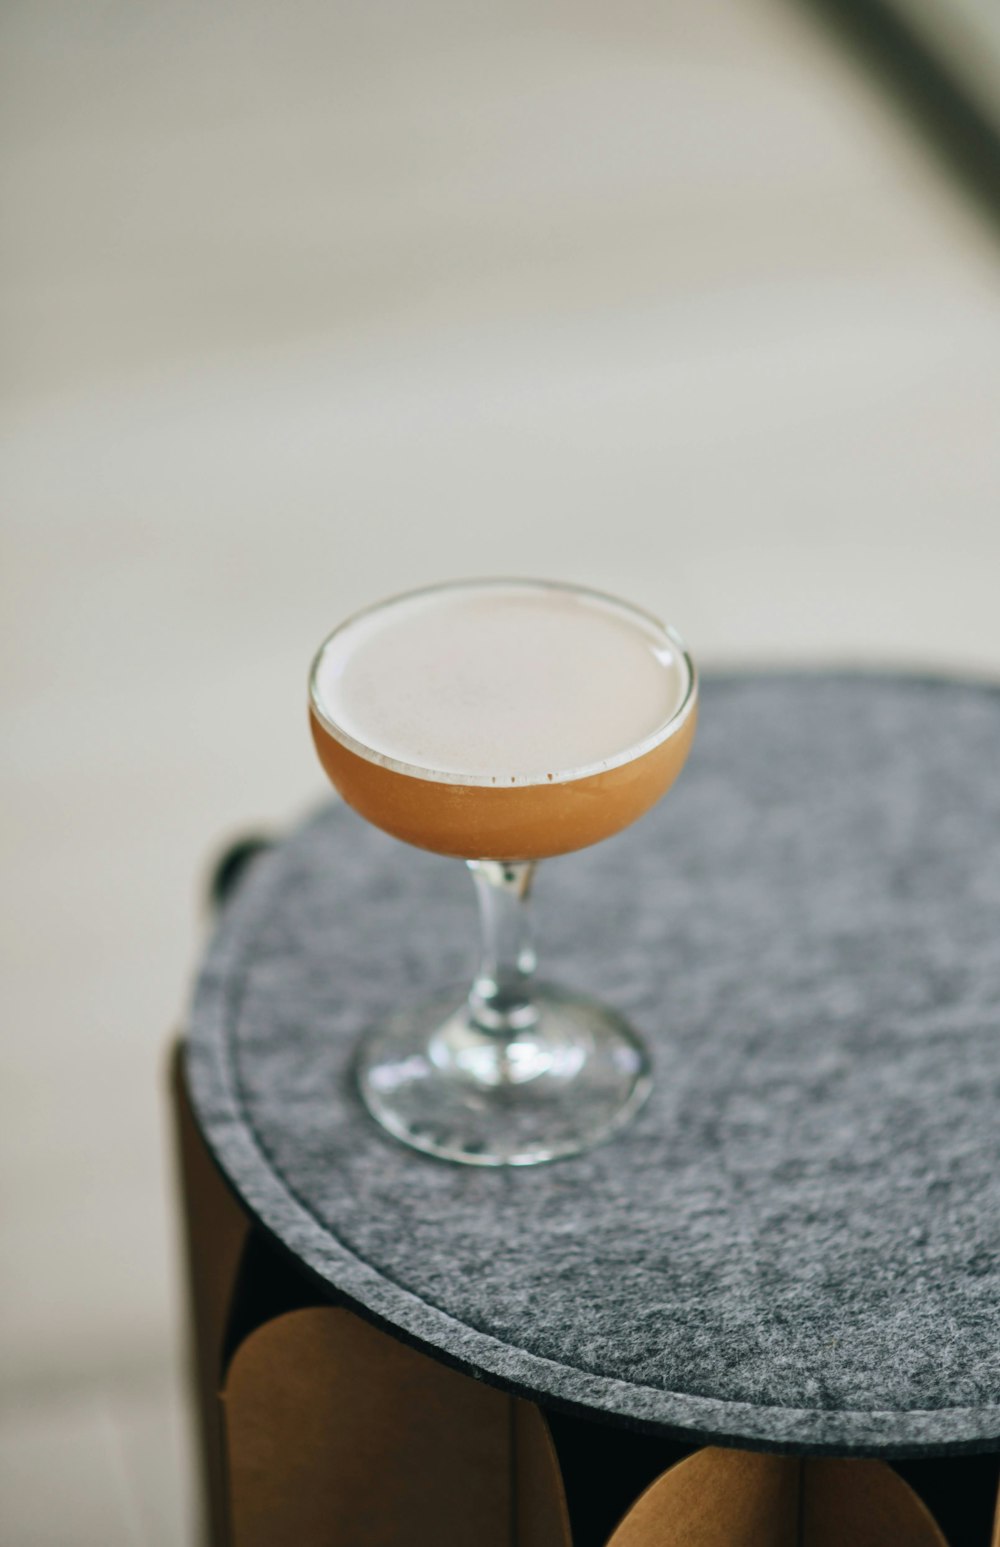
[{"x": 510, "y": 1071}]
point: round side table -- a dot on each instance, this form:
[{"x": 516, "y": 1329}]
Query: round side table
[{"x": 792, "y": 1256}]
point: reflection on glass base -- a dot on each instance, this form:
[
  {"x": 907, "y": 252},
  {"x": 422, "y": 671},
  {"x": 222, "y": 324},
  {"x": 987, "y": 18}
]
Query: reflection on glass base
[{"x": 440, "y": 1084}]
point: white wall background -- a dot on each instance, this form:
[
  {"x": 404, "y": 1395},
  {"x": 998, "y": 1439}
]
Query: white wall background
[{"x": 305, "y": 304}]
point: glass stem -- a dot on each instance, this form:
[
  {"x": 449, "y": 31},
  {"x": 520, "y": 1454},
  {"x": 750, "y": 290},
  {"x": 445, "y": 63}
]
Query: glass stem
[{"x": 500, "y": 999}]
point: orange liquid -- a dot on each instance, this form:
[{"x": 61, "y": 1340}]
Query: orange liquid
[{"x": 526, "y": 821}]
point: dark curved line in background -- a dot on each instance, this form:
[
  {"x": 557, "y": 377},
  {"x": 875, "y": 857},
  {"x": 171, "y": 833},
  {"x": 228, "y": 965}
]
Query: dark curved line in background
[{"x": 963, "y": 137}]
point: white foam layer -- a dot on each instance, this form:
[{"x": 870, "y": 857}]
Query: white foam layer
[{"x": 509, "y": 682}]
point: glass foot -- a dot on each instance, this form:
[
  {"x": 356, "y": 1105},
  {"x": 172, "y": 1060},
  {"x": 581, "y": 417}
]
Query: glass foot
[{"x": 557, "y": 1086}]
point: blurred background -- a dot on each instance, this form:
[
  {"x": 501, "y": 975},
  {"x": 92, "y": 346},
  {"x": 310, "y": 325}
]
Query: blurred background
[{"x": 306, "y": 304}]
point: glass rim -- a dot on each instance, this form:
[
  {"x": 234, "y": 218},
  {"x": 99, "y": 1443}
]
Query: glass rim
[{"x": 662, "y": 733}]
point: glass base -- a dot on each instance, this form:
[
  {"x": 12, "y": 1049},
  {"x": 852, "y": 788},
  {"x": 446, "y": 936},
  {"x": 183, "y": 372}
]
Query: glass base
[{"x": 439, "y": 1083}]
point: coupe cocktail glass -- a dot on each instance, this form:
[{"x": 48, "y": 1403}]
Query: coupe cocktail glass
[{"x": 503, "y": 722}]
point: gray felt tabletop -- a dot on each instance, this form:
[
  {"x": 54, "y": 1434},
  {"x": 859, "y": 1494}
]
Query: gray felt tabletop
[{"x": 797, "y": 1242}]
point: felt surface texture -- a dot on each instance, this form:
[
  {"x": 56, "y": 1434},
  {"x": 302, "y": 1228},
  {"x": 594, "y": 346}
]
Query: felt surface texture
[{"x": 796, "y": 1245}]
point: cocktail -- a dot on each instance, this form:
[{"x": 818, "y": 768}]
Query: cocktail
[{"x": 503, "y": 722}]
